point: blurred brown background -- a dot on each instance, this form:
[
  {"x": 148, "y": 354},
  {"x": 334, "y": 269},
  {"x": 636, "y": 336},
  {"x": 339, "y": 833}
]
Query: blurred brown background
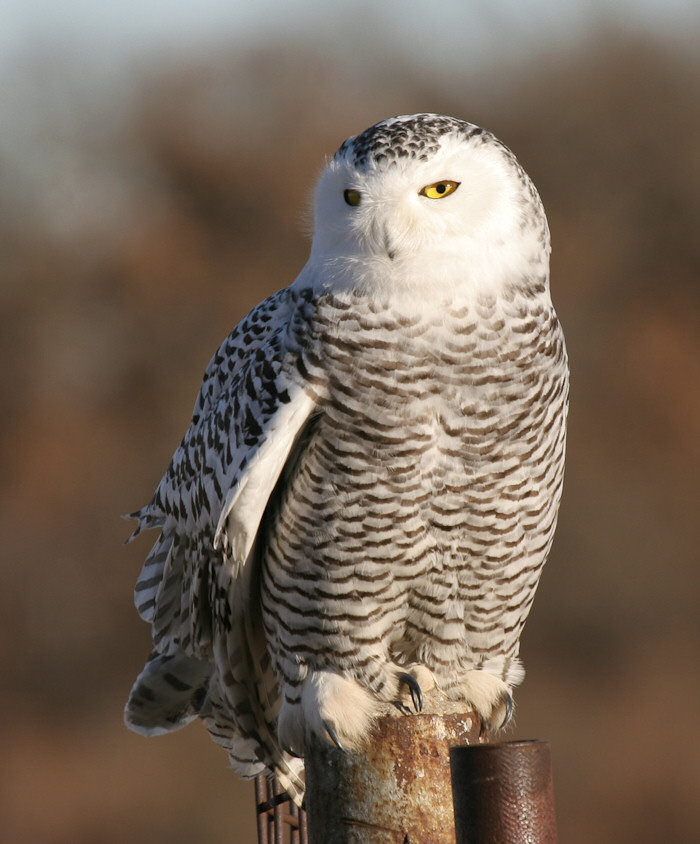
[{"x": 166, "y": 208}]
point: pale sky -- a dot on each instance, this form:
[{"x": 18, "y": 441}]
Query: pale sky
[
  {"x": 119, "y": 31},
  {"x": 58, "y": 55}
]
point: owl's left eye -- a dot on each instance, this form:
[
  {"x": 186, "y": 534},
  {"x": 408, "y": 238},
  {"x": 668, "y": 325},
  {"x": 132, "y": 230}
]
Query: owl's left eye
[
  {"x": 439, "y": 190},
  {"x": 352, "y": 197}
]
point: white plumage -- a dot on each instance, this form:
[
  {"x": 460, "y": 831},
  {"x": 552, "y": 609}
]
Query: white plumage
[{"x": 369, "y": 486}]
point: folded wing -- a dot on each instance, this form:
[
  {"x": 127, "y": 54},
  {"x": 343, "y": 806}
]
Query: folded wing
[{"x": 253, "y": 408}]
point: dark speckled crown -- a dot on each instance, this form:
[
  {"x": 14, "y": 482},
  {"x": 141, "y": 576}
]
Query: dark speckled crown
[{"x": 414, "y": 136}]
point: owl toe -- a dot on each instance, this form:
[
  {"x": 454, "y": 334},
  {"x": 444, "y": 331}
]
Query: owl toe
[
  {"x": 333, "y": 709},
  {"x": 488, "y": 695}
]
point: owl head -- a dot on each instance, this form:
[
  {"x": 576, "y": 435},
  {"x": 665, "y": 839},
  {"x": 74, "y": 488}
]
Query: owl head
[{"x": 427, "y": 203}]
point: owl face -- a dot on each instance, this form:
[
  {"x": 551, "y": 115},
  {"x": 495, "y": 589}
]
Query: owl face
[{"x": 425, "y": 201}]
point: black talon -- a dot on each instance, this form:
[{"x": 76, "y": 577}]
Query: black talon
[
  {"x": 330, "y": 729},
  {"x": 508, "y": 700},
  {"x": 414, "y": 689},
  {"x": 287, "y": 749}
]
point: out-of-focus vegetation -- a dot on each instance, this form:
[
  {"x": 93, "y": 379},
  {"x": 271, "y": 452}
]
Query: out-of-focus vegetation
[{"x": 107, "y": 323}]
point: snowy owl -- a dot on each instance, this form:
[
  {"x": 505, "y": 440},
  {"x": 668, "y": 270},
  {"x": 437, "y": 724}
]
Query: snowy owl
[{"x": 363, "y": 502}]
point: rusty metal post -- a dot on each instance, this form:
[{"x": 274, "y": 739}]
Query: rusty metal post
[
  {"x": 503, "y": 793},
  {"x": 397, "y": 790}
]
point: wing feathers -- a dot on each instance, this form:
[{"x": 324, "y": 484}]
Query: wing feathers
[
  {"x": 249, "y": 421},
  {"x": 245, "y": 503}
]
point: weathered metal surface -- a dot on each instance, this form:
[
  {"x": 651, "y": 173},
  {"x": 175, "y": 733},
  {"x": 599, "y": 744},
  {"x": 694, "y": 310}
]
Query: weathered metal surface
[
  {"x": 396, "y": 790},
  {"x": 503, "y": 793}
]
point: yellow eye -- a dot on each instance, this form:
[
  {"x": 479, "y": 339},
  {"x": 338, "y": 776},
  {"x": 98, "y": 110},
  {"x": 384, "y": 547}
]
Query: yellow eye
[
  {"x": 352, "y": 197},
  {"x": 438, "y": 190}
]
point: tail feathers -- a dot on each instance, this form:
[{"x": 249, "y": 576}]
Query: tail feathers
[
  {"x": 167, "y": 694},
  {"x": 147, "y": 518},
  {"x": 254, "y": 751}
]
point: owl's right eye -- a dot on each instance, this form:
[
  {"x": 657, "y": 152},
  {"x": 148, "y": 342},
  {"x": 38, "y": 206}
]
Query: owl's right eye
[{"x": 352, "y": 197}]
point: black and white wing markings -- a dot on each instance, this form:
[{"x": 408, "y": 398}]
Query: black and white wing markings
[{"x": 252, "y": 406}]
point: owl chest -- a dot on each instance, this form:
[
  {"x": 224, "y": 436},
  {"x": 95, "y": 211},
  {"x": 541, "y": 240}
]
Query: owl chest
[
  {"x": 422, "y": 410},
  {"x": 399, "y": 429},
  {"x": 430, "y": 441}
]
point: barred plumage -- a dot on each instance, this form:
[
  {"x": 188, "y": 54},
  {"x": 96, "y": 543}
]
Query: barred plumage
[{"x": 369, "y": 486}]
